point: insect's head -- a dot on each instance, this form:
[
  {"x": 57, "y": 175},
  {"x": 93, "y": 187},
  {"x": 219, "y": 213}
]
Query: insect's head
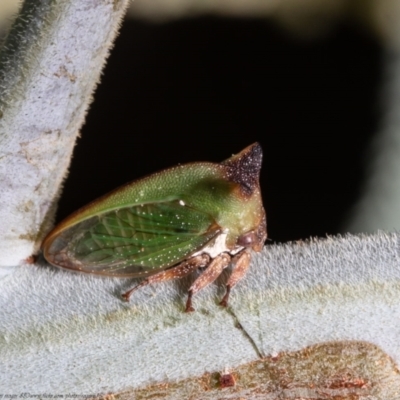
[
  {"x": 243, "y": 169},
  {"x": 254, "y": 239}
]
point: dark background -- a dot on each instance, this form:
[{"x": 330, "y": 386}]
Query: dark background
[{"x": 202, "y": 89}]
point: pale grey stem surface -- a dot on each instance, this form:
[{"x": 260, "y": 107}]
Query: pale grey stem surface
[
  {"x": 49, "y": 68},
  {"x": 62, "y": 331}
]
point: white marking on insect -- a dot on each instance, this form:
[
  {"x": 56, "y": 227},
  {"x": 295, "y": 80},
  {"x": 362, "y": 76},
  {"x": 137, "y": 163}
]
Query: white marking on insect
[
  {"x": 218, "y": 246},
  {"x": 181, "y": 202}
]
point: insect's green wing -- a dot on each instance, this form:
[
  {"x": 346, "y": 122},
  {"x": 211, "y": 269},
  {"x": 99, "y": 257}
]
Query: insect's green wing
[{"x": 136, "y": 240}]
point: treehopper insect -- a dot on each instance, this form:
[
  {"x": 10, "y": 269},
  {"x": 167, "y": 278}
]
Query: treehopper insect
[{"x": 168, "y": 224}]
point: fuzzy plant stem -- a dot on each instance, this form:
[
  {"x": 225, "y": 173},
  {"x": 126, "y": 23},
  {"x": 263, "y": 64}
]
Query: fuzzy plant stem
[
  {"x": 63, "y": 333},
  {"x": 49, "y": 68}
]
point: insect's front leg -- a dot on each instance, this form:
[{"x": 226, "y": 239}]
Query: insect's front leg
[
  {"x": 241, "y": 264},
  {"x": 213, "y": 271},
  {"x": 179, "y": 271}
]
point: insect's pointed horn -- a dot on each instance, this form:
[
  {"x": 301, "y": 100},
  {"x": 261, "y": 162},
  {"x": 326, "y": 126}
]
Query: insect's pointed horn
[{"x": 244, "y": 168}]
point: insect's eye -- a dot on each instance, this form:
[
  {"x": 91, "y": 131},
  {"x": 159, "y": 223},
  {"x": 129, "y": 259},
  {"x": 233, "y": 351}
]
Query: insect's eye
[{"x": 248, "y": 239}]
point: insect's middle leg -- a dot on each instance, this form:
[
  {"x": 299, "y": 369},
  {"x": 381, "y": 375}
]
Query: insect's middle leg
[
  {"x": 241, "y": 264},
  {"x": 179, "y": 271},
  {"x": 212, "y": 272}
]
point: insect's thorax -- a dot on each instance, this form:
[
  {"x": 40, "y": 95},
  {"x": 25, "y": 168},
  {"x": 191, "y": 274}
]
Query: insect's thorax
[{"x": 235, "y": 214}]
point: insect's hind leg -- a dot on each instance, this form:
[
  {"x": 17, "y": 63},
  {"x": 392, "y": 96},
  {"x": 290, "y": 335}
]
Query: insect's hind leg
[{"x": 179, "y": 271}]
